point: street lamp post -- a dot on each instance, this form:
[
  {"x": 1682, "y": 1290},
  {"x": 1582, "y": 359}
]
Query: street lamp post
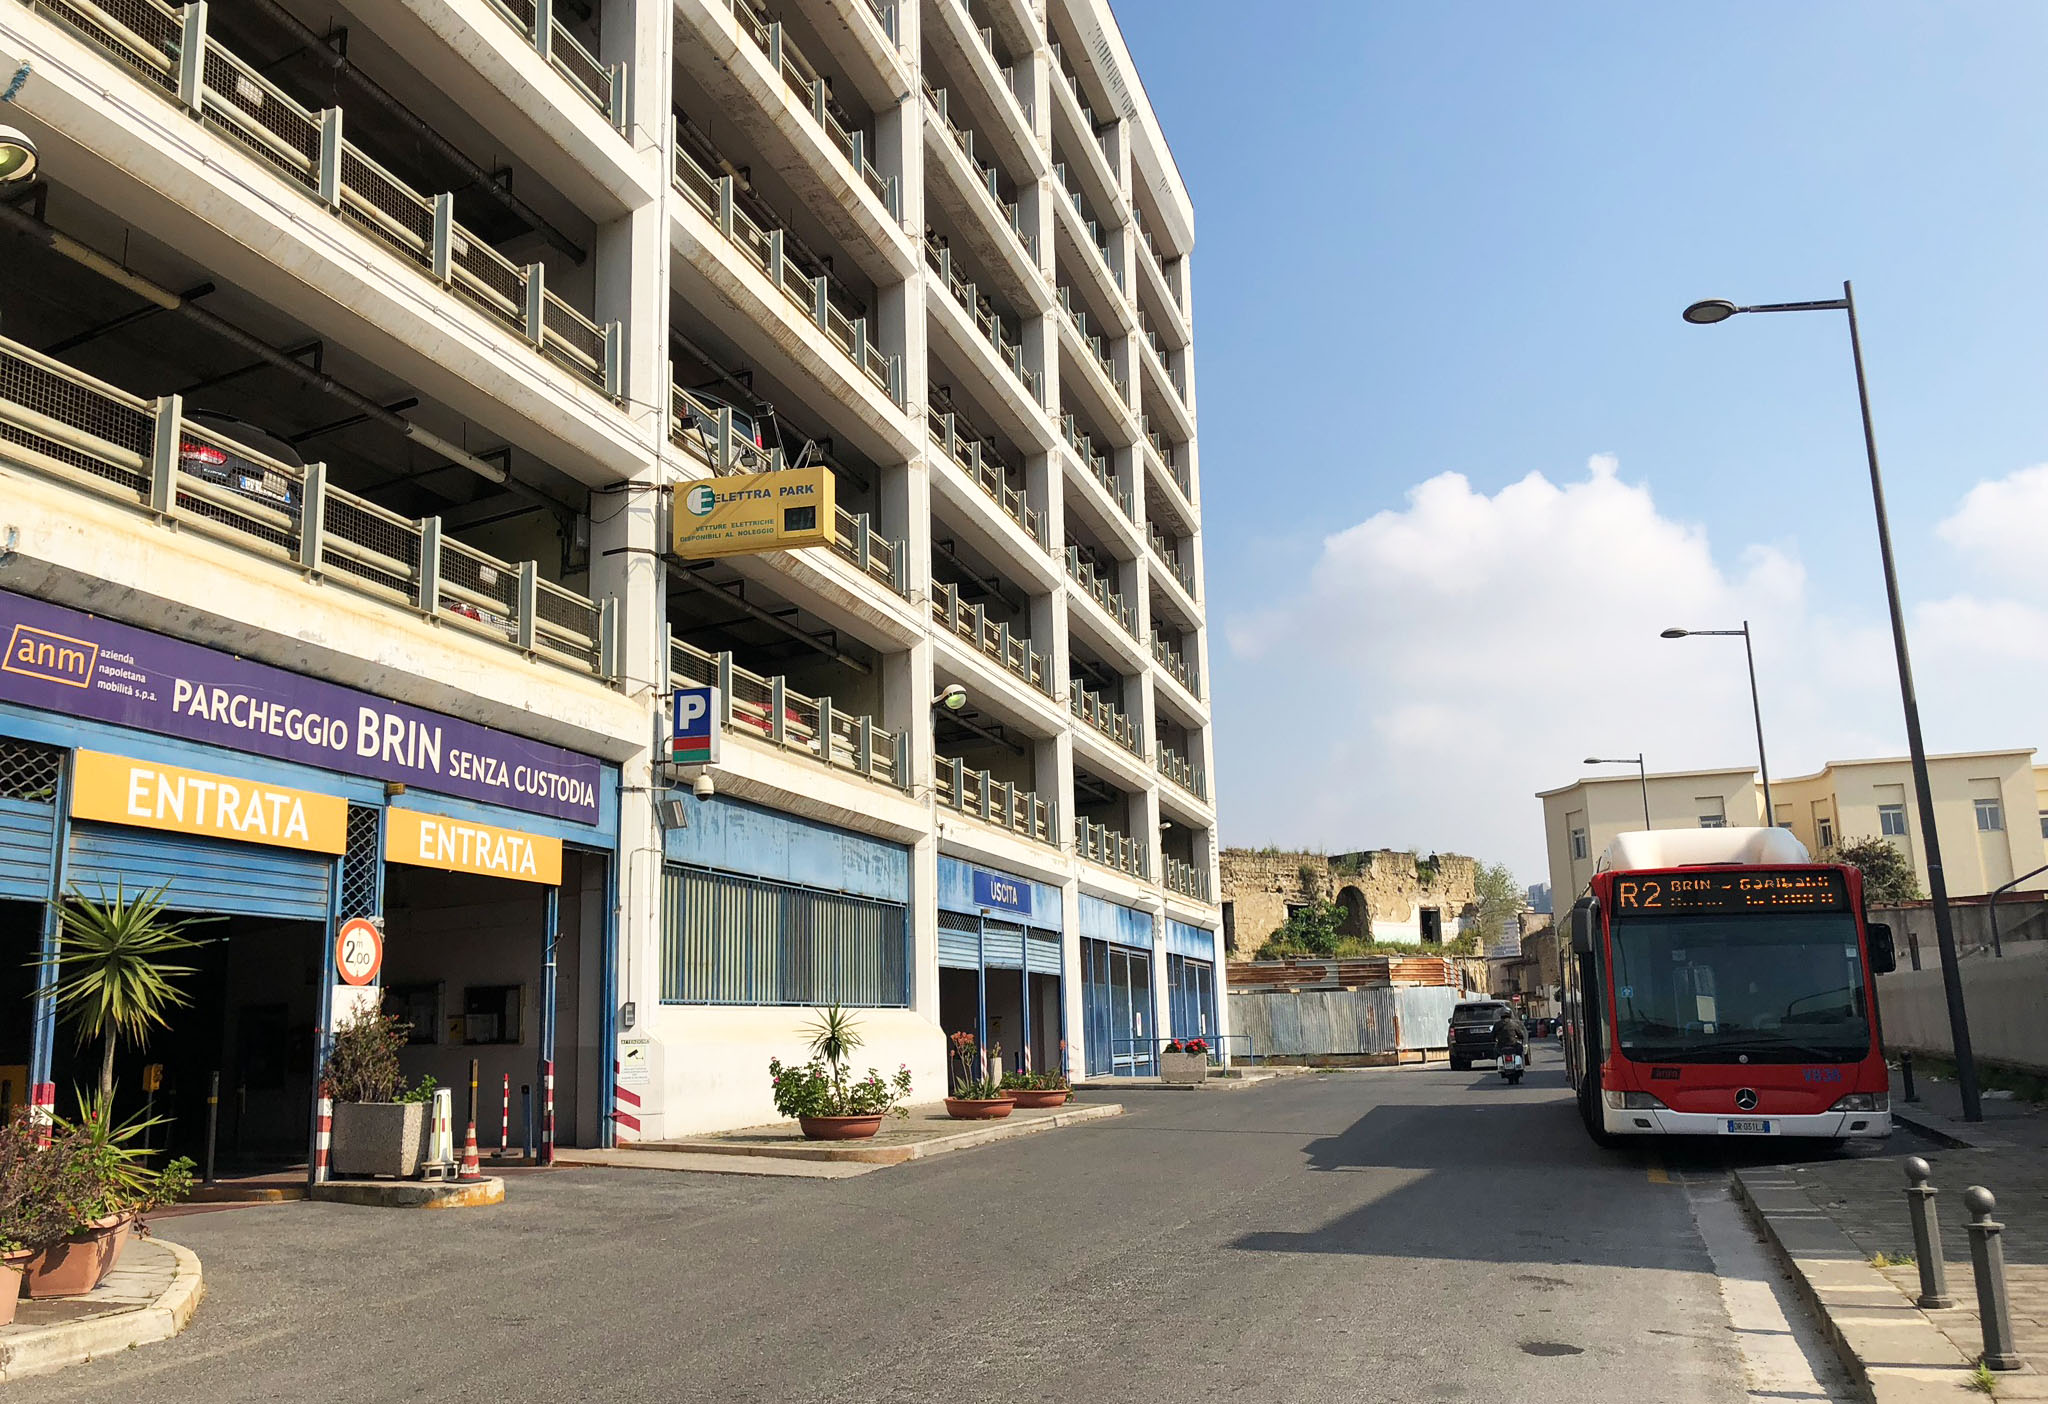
[
  {"x": 1755, "y": 706},
  {"x": 1720, "y": 310},
  {"x": 1642, "y": 775}
]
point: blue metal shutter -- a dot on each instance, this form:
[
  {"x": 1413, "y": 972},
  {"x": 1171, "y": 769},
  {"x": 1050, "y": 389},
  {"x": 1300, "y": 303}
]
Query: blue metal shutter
[
  {"x": 27, "y": 832},
  {"x": 959, "y": 945},
  {"x": 1003, "y": 944},
  {"x": 1043, "y": 953},
  {"x": 205, "y": 875}
]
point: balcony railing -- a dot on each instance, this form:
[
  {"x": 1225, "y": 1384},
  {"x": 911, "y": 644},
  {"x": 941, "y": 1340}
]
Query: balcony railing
[
  {"x": 1177, "y": 665},
  {"x": 170, "y": 51},
  {"x": 968, "y": 294},
  {"x": 1099, "y": 843},
  {"x": 1088, "y": 221},
  {"x": 810, "y": 295},
  {"x": 771, "y": 710},
  {"x": 1182, "y": 772},
  {"x": 1169, "y": 461},
  {"x": 1083, "y": 444},
  {"x": 963, "y": 138},
  {"x": 1088, "y": 122},
  {"x": 1169, "y": 555},
  {"x": 1089, "y": 579},
  {"x": 1188, "y": 879},
  {"x": 878, "y": 557},
  {"x": 813, "y": 95},
  {"x": 996, "y": 802},
  {"x": 1093, "y": 708},
  {"x": 971, "y": 622},
  {"x": 1151, "y": 248},
  {"x": 102, "y": 440},
  {"x": 987, "y": 472},
  {"x": 987, "y": 36},
  {"x": 602, "y": 87},
  {"x": 1078, "y": 319}
]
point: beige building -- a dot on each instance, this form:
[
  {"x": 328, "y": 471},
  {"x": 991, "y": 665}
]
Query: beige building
[{"x": 1991, "y": 806}]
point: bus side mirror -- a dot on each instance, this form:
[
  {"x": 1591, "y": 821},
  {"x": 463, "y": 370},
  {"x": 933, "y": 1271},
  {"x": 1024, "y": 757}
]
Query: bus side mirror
[
  {"x": 1585, "y": 925},
  {"x": 1884, "y": 959}
]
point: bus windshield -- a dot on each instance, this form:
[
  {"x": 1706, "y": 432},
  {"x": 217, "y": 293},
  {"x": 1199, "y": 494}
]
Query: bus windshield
[{"x": 1776, "y": 989}]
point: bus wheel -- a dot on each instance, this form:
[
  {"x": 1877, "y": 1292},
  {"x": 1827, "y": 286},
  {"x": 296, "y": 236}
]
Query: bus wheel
[{"x": 1589, "y": 1113}]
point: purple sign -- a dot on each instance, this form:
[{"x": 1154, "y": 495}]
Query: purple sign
[{"x": 64, "y": 661}]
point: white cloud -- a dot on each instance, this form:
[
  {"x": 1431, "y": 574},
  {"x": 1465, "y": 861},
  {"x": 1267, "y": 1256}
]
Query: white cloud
[{"x": 1446, "y": 660}]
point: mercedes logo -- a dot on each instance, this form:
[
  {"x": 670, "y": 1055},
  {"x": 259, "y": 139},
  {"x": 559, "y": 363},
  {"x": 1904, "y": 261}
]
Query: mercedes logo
[{"x": 1745, "y": 1100}]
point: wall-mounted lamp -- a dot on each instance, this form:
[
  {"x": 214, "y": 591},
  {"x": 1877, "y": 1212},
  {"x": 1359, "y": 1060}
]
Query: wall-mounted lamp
[{"x": 672, "y": 812}]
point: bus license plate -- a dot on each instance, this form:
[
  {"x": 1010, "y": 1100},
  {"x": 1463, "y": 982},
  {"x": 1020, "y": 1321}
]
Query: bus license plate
[{"x": 1748, "y": 1128}]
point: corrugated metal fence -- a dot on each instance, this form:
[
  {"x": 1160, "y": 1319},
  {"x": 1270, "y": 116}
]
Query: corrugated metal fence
[
  {"x": 736, "y": 940},
  {"x": 1338, "y": 1023}
]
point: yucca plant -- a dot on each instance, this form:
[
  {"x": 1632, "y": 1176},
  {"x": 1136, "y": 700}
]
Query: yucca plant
[
  {"x": 113, "y": 975},
  {"x": 834, "y": 1037}
]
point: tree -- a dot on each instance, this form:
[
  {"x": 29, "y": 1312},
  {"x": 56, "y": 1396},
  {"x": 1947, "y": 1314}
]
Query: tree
[
  {"x": 1498, "y": 897},
  {"x": 1310, "y": 929},
  {"x": 1888, "y": 875},
  {"x": 110, "y": 974}
]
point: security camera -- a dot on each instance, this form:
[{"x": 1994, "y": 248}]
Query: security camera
[
  {"x": 17, "y": 155},
  {"x": 703, "y": 789}
]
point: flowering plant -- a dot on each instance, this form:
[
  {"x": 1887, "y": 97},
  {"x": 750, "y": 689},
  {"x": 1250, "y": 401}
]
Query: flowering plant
[
  {"x": 820, "y": 1087},
  {"x": 1194, "y": 1045},
  {"x": 971, "y": 1080},
  {"x": 1054, "y": 1081}
]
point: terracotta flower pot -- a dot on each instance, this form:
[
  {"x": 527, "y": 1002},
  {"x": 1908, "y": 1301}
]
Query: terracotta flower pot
[
  {"x": 11, "y": 1265},
  {"x": 840, "y": 1128},
  {"x": 979, "y": 1109},
  {"x": 1038, "y": 1098},
  {"x": 81, "y": 1262}
]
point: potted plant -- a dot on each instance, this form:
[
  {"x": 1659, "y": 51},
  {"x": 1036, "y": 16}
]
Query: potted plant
[
  {"x": 110, "y": 975},
  {"x": 1035, "y": 1091},
  {"x": 1184, "y": 1062},
  {"x": 380, "y": 1125},
  {"x": 80, "y": 1189},
  {"x": 975, "y": 1096},
  {"x": 818, "y": 1095}
]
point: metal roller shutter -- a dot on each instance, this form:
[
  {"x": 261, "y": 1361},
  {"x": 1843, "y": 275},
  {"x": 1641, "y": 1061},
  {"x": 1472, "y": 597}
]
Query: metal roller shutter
[
  {"x": 205, "y": 875},
  {"x": 28, "y": 818}
]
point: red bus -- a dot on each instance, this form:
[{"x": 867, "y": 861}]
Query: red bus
[{"x": 1722, "y": 984}]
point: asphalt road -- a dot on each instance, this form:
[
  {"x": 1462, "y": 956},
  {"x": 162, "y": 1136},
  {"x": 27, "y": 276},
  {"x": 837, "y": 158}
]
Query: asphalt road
[{"x": 1390, "y": 1235}]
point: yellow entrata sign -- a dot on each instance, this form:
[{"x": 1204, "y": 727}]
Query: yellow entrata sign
[
  {"x": 745, "y": 513},
  {"x": 430, "y": 841},
  {"x": 150, "y": 795}
]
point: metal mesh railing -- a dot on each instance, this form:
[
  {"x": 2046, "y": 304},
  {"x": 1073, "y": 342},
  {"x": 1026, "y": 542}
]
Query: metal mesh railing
[
  {"x": 867, "y": 548},
  {"x": 107, "y": 441},
  {"x": 989, "y": 473},
  {"x": 1169, "y": 555},
  {"x": 1096, "y": 710},
  {"x": 770, "y": 710},
  {"x": 993, "y": 801},
  {"x": 143, "y": 36},
  {"x": 360, "y": 896},
  {"x": 1098, "y": 589},
  {"x": 971, "y": 622},
  {"x": 568, "y": 56},
  {"x": 1176, "y": 664},
  {"x": 988, "y": 321}
]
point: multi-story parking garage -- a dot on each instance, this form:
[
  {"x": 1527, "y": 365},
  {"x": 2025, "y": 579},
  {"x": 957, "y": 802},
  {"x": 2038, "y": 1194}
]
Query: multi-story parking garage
[{"x": 346, "y": 357}]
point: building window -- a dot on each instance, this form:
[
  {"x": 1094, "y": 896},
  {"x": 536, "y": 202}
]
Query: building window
[
  {"x": 1713, "y": 812},
  {"x": 1824, "y": 830},
  {"x": 490, "y": 1013},
  {"x": 419, "y": 1006},
  {"x": 1990, "y": 815},
  {"x": 728, "y": 939},
  {"x": 2044, "y": 823},
  {"x": 1581, "y": 849},
  {"x": 1891, "y": 820}
]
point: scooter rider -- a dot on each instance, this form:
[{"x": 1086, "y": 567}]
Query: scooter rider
[{"x": 1508, "y": 1033}]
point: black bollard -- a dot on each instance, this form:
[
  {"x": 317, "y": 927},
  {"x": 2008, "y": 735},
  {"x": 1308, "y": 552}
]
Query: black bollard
[
  {"x": 1987, "y": 1257},
  {"x": 1906, "y": 1073},
  {"x": 212, "y": 1120},
  {"x": 1934, "y": 1293}
]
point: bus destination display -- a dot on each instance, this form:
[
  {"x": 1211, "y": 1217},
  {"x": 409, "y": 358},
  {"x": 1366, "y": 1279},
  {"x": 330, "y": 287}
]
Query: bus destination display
[{"x": 1733, "y": 892}]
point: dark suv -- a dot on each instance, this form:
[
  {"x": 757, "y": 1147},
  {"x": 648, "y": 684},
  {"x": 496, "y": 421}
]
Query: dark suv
[{"x": 1471, "y": 1035}]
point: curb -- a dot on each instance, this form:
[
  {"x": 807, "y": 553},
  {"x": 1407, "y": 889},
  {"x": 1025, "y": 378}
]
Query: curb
[
  {"x": 412, "y": 1194},
  {"x": 1893, "y": 1354},
  {"x": 1945, "y": 1131},
  {"x": 75, "y": 1342}
]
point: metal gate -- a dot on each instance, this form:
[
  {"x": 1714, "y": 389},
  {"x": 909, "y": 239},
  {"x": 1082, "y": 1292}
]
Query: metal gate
[{"x": 218, "y": 876}]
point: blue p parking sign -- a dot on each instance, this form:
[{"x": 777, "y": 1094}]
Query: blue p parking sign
[{"x": 693, "y": 733}]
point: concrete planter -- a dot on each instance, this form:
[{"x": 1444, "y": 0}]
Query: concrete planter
[
  {"x": 1184, "y": 1068},
  {"x": 378, "y": 1138}
]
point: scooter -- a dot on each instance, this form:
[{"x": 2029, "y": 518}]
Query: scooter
[{"x": 1513, "y": 1063}]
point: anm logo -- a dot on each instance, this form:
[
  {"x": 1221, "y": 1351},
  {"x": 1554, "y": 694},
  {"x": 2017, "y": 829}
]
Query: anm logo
[{"x": 57, "y": 658}]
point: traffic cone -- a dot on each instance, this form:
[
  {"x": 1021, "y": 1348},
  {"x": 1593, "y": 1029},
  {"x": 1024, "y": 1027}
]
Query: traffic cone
[{"x": 472, "y": 1169}]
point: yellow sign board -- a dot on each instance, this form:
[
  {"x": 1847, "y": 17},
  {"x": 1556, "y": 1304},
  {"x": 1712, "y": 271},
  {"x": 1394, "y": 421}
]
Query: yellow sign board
[
  {"x": 149, "y": 795},
  {"x": 743, "y": 514},
  {"x": 458, "y": 846}
]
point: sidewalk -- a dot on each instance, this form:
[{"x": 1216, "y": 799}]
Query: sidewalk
[
  {"x": 1830, "y": 1219},
  {"x": 148, "y": 1297}
]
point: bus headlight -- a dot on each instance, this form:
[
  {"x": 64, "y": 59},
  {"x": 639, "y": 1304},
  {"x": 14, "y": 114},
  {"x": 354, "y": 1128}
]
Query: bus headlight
[
  {"x": 1633, "y": 1101},
  {"x": 1864, "y": 1102}
]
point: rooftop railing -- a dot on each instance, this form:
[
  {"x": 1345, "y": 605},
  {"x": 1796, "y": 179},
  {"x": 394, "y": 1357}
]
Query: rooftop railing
[
  {"x": 1078, "y": 319},
  {"x": 809, "y": 295},
  {"x": 1099, "y": 843},
  {"x": 996, "y": 802},
  {"x": 105, "y": 441},
  {"x": 1188, "y": 879},
  {"x": 813, "y": 94},
  {"x": 171, "y": 52},
  {"x": 971, "y": 622},
  {"x": 1083, "y": 444},
  {"x": 603, "y": 87},
  {"x": 1182, "y": 772},
  {"x": 1096, "y": 710},
  {"x": 987, "y": 471},
  {"x": 963, "y": 138},
  {"x": 988, "y": 321},
  {"x": 1169, "y": 555},
  {"x": 768, "y": 709},
  {"x": 1089, "y": 579},
  {"x": 1177, "y": 665}
]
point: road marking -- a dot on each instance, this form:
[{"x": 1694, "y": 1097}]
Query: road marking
[
  {"x": 1658, "y": 1175},
  {"x": 1783, "y": 1356}
]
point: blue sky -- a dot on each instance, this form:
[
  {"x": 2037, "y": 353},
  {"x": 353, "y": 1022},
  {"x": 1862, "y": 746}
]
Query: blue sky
[{"x": 1455, "y": 238}]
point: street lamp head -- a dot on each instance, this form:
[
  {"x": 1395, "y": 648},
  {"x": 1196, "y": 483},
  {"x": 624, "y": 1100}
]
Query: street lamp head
[
  {"x": 953, "y": 698},
  {"x": 1674, "y": 633},
  {"x": 1714, "y": 309},
  {"x": 17, "y": 155},
  {"x": 1592, "y": 760}
]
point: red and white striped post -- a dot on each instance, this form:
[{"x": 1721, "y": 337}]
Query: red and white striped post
[
  {"x": 625, "y": 1109},
  {"x": 505, "y": 1121},
  {"x": 42, "y": 1110},
  {"x": 547, "y": 1116},
  {"x": 323, "y": 1134}
]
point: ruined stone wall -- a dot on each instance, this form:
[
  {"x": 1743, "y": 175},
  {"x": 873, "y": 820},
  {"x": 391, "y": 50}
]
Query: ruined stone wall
[{"x": 1390, "y": 888}]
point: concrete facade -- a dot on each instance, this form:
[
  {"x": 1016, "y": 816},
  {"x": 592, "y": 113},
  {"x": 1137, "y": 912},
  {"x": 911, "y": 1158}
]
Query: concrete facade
[
  {"x": 942, "y": 249},
  {"x": 1389, "y": 890}
]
